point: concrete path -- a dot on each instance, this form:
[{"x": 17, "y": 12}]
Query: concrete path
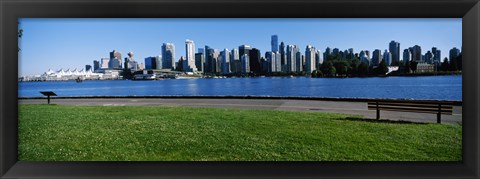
[{"x": 356, "y": 108}]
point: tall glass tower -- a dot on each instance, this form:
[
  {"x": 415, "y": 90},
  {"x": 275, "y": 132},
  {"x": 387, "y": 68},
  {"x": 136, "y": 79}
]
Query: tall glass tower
[{"x": 274, "y": 43}]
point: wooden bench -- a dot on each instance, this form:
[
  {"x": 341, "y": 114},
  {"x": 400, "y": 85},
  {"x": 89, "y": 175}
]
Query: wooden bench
[{"x": 418, "y": 106}]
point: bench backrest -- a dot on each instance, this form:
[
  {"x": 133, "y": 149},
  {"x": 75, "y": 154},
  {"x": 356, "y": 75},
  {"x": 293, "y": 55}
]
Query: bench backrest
[{"x": 420, "y": 106}]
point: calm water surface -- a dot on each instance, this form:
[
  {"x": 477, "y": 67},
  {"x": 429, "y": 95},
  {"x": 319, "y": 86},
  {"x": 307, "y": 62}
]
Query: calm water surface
[{"x": 430, "y": 87}]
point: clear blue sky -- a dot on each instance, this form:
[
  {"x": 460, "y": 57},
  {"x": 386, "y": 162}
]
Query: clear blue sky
[{"x": 68, "y": 43}]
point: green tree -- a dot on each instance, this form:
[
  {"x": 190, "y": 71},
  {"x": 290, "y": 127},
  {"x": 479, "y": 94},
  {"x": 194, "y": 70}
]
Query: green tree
[
  {"x": 363, "y": 68},
  {"x": 382, "y": 68},
  {"x": 341, "y": 67},
  {"x": 413, "y": 66},
  {"x": 445, "y": 66}
]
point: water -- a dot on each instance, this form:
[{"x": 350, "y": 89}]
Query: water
[{"x": 429, "y": 87}]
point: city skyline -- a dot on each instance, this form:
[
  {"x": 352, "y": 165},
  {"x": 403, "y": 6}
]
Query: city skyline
[{"x": 43, "y": 47}]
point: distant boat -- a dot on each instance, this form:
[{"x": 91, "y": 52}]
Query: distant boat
[{"x": 78, "y": 80}]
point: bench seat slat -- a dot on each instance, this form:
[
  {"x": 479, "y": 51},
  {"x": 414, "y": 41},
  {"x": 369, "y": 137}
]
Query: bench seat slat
[
  {"x": 413, "y": 105},
  {"x": 433, "y": 111},
  {"x": 409, "y": 101}
]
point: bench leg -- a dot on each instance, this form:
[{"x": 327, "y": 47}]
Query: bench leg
[
  {"x": 48, "y": 99},
  {"x": 439, "y": 118},
  {"x": 378, "y": 114}
]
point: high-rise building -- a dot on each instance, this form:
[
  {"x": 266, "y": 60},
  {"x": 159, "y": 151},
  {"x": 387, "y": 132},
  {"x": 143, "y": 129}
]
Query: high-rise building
[
  {"x": 271, "y": 61},
  {"x": 454, "y": 53},
  {"x": 407, "y": 56},
  {"x": 216, "y": 61},
  {"x": 291, "y": 58},
  {"x": 335, "y": 51},
  {"x": 318, "y": 59},
  {"x": 168, "y": 56},
  {"x": 437, "y": 56},
  {"x": 327, "y": 53},
  {"x": 254, "y": 57},
  {"x": 199, "y": 61},
  {"x": 189, "y": 64},
  {"x": 96, "y": 65},
  {"x": 225, "y": 54},
  {"x": 283, "y": 60},
  {"x": 394, "y": 48},
  {"x": 298, "y": 61},
  {"x": 130, "y": 63},
  {"x": 104, "y": 63},
  {"x": 310, "y": 64},
  {"x": 429, "y": 57},
  {"x": 235, "y": 65},
  {"x": 376, "y": 57},
  {"x": 159, "y": 64},
  {"x": 209, "y": 60},
  {"x": 245, "y": 64},
  {"x": 278, "y": 64},
  {"x": 150, "y": 63},
  {"x": 387, "y": 57},
  {"x": 88, "y": 68},
  {"x": 363, "y": 57},
  {"x": 115, "y": 60},
  {"x": 274, "y": 43},
  {"x": 416, "y": 53}
]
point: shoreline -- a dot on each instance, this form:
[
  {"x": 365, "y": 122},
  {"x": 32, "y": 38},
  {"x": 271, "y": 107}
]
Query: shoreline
[{"x": 455, "y": 102}]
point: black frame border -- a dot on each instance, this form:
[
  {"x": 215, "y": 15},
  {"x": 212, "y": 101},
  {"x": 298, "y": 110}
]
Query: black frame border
[{"x": 10, "y": 10}]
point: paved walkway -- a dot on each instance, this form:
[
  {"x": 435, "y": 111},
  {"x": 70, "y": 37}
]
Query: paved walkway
[{"x": 356, "y": 108}]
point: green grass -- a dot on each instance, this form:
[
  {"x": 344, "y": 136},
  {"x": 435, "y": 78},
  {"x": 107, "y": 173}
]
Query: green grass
[{"x": 143, "y": 133}]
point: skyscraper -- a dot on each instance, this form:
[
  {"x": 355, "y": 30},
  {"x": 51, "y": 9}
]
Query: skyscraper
[
  {"x": 271, "y": 61},
  {"x": 150, "y": 63},
  {"x": 254, "y": 57},
  {"x": 327, "y": 53},
  {"x": 283, "y": 60},
  {"x": 274, "y": 43},
  {"x": 387, "y": 57},
  {"x": 199, "y": 61},
  {"x": 88, "y": 68},
  {"x": 394, "y": 49},
  {"x": 245, "y": 64},
  {"x": 376, "y": 57},
  {"x": 416, "y": 53},
  {"x": 407, "y": 56},
  {"x": 291, "y": 60},
  {"x": 454, "y": 53},
  {"x": 168, "y": 56},
  {"x": 225, "y": 54},
  {"x": 429, "y": 57},
  {"x": 189, "y": 64},
  {"x": 104, "y": 63},
  {"x": 235, "y": 65},
  {"x": 310, "y": 59},
  {"x": 96, "y": 65}
]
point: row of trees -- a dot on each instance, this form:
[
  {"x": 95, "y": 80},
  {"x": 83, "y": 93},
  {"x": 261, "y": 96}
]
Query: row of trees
[{"x": 337, "y": 66}]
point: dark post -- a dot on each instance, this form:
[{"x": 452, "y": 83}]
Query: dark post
[
  {"x": 48, "y": 97},
  {"x": 48, "y": 94},
  {"x": 439, "y": 114},
  {"x": 378, "y": 111}
]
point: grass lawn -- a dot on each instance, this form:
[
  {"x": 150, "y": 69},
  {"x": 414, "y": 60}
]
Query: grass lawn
[{"x": 143, "y": 133}]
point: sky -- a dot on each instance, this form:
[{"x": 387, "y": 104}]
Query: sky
[{"x": 72, "y": 43}]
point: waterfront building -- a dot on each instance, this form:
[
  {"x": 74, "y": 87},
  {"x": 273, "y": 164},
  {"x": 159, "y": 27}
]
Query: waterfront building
[
  {"x": 115, "y": 61},
  {"x": 376, "y": 57},
  {"x": 150, "y": 63},
  {"x": 130, "y": 63},
  {"x": 310, "y": 61},
  {"x": 298, "y": 61},
  {"x": 104, "y": 63},
  {"x": 200, "y": 61},
  {"x": 291, "y": 54},
  {"x": 254, "y": 57},
  {"x": 350, "y": 53},
  {"x": 387, "y": 56},
  {"x": 245, "y": 64},
  {"x": 168, "y": 56},
  {"x": 235, "y": 65},
  {"x": 274, "y": 43},
  {"x": 115, "y": 54},
  {"x": 416, "y": 53},
  {"x": 423, "y": 67},
  {"x": 394, "y": 48},
  {"x": 278, "y": 62},
  {"x": 437, "y": 55},
  {"x": 428, "y": 57},
  {"x": 407, "y": 56},
  {"x": 454, "y": 53},
  {"x": 363, "y": 57},
  {"x": 209, "y": 60},
  {"x": 367, "y": 52},
  {"x": 96, "y": 65},
  {"x": 225, "y": 62},
  {"x": 244, "y": 49},
  {"x": 327, "y": 53},
  {"x": 216, "y": 62},
  {"x": 189, "y": 64},
  {"x": 159, "y": 64},
  {"x": 318, "y": 59},
  {"x": 283, "y": 58},
  {"x": 271, "y": 59},
  {"x": 335, "y": 51},
  {"x": 88, "y": 67}
]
